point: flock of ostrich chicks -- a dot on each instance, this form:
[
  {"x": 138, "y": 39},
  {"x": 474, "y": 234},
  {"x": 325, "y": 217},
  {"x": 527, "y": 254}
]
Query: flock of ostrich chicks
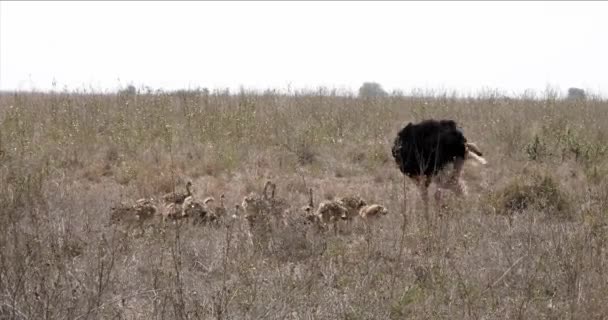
[
  {"x": 254, "y": 208},
  {"x": 422, "y": 151}
]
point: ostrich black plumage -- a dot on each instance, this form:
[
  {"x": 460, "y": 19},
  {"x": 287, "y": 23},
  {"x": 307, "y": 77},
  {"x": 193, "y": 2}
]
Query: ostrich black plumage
[
  {"x": 424, "y": 149},
  {"x": 427, "y": 147}
]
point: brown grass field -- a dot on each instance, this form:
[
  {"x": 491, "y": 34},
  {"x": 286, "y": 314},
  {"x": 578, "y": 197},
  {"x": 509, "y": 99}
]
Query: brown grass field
[{"x": 529, "y": 242}]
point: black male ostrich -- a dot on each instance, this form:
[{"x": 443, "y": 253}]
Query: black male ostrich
[{"x": 423, "y": 150}]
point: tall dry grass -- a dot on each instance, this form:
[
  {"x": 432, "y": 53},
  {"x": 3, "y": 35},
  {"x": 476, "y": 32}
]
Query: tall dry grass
[{"x": 528, "y": 243}]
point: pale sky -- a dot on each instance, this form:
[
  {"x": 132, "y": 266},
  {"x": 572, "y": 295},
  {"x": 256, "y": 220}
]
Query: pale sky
[{"x": 467, "y": 46}]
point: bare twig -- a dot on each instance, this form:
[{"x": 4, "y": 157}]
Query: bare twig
[
  {"x": 505, "y": 273},
  {"x": 402, "y": 237},
  {"x": 139, "y": 293},
  {"x": 15, "y": 310}
]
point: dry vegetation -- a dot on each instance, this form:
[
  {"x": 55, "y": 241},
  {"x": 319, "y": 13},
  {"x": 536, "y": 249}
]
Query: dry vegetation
[{"x": 529, "y": 242}]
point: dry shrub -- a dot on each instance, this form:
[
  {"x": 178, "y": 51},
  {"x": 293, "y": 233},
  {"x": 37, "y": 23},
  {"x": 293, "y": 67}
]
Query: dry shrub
[
  {"x": 294, "y": 185},
  {"x": 537, "y": 191},
  {"x": 379, "y": 156},
  {"x": 305, "y": 154},
  {"x": 369, "y": 156},
  {"x": 112, "y": 155},
  {"x": 356, "y": 155},
  {"x": 291, "y": 242},
  {"x": 125, "y": 173},
  {"x": 96, "y": 171},
  {"x": 344, "y": 172}
]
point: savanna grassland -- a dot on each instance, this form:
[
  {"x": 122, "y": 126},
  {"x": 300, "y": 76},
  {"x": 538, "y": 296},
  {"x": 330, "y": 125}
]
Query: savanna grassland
[{"x": 529, "y": 242}]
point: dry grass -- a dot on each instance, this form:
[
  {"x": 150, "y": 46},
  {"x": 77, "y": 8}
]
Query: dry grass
[{"x": 66, "y": 158}]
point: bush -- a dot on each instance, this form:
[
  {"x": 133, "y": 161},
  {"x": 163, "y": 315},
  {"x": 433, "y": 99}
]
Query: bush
[
  {"x": 576, "y": 94},
  {"x": 536, "y": 150},
  {"x": 371, "y": 89},
  {"x": 538, "y": 192}
]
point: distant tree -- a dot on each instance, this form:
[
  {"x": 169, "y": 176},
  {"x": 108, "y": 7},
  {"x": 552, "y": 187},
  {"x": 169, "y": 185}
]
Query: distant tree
[
  {"x": 129, "y": 90},
  {"x": 397, "y": 93},
  {"x": 371, "y": 89},
  {"x": 576, "y": 94}
]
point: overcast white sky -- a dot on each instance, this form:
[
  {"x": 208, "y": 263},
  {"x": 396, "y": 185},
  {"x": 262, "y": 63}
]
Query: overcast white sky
[{"x": 511, "y": 46}]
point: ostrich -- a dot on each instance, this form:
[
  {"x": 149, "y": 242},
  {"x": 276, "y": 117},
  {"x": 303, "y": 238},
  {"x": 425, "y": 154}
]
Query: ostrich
[
  {"x": 173, "y": 211},
  {"x": 256, "y": 208},
  {"x": 277, "y": 207},
  {"x": 194, "y": 209},
  {"x": 308, "y": 209},
  {"x": 423, "y": 150},
  {"x": 372, "y": 211},
  {"x": 143, "y": 210},
  {"x": 178, "y": 197},
  {"x": 254, "y": 204},
  {"x": 330, "y": 212},
  {"x": 218, "y": 212},
  {"x": 353, "y": 203}
]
